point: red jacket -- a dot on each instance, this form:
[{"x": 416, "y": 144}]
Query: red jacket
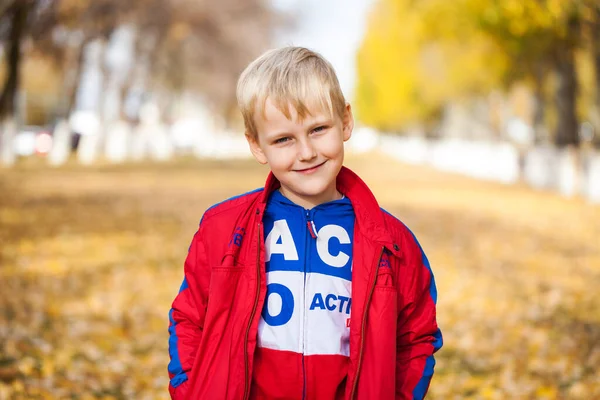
[{"x": 214, "y": 318}]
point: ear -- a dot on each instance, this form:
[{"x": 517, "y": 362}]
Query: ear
[
  {"x": 255, "y": 149},
  {"x": 348, "y": 122}
]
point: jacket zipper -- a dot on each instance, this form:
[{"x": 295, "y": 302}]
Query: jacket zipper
[
  {"x": 310, "y": 226},
  {"x": 364, "y": 323},
  {"x": 246, "y": 367}
]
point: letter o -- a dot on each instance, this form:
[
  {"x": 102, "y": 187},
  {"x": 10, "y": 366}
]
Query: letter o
[{"x": 287, "y": 305}]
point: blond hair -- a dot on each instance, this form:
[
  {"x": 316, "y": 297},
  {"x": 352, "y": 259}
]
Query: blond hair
[{"x": 293, "y": 76}]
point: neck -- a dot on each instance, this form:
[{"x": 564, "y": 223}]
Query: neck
[{"x": 309, "y": 202}]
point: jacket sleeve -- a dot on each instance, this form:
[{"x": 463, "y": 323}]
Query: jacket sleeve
[
  {"x": 186, "y": 318},
  {"x": 418, "y": 333}
]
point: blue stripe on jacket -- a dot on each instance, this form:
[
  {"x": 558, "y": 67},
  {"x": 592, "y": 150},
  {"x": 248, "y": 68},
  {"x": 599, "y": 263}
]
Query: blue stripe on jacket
[
  {"x": 175, "y": 367},
  {"x": 230, "y": 199},
  {"x": 423, "y": 384}
]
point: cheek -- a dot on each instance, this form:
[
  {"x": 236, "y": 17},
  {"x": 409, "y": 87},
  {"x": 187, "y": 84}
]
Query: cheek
[
  {"x": 281, "y": 158},
  {"x": 332, "y": 147}
]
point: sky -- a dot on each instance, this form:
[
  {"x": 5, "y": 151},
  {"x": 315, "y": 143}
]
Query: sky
[{"x": 334, "y": 28}]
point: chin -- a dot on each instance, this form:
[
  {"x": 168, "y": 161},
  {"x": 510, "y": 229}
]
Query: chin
[{"x": 312, "y": 190}]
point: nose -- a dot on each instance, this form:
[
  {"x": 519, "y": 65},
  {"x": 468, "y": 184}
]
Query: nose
[{"x": 306, "y": 151}]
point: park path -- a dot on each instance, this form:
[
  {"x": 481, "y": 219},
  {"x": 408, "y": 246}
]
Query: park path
[{"x": 90, "y": 259}]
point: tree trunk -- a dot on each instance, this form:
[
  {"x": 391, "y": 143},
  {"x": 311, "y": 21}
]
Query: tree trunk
[
  {"x": 88, "y": 119},
  {"x": 19, "y": 11},
  {"x": 539, "y": 116},
  {"x": 596, "y": 60},
  {"x": 72, "y": 67},
  {"x": 8, "y": 132},
  {"x": 71, "y": 63},
  {"x": 8, "y": 126},
  {"x": 61, "y": 143},
  {"x": 567, "y": 129}
]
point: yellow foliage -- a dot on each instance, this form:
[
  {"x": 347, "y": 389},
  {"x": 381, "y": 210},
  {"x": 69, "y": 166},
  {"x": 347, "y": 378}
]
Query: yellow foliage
[
  {"x": 405, "y": 75},
  {"x": 417, "y": 56}
]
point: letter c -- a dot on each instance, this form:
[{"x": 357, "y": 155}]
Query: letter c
[
  {"x": 324, "y": 235},
  {"x": 329, "y": 306}
]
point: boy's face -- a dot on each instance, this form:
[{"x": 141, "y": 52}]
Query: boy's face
[{"x": 305, "y": 156}]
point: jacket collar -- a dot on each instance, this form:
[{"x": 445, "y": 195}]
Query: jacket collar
[{"x": 369, "y": 216}]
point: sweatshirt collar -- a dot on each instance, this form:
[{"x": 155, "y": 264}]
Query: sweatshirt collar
[
  {"x": 277, "y": 197},
  {"x": 369, "y": 216}
]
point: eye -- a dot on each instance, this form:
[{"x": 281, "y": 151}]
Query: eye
[
  {"x": 319, "y": 128},
  {"x": 281, "y": 140}
]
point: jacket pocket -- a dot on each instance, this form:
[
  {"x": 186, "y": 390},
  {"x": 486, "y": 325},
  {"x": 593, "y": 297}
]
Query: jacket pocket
[
  {"x": 384, "y": 278},
  {"x": 224, "y": 289},
  {"x": 221, "y": 346},
  {"x": 377, "y": 379}
]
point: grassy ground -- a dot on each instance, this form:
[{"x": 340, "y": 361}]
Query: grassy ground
[{"x": 91, "y": 258}]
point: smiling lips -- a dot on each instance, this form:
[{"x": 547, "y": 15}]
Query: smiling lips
[{"x": 311, "y": 169}]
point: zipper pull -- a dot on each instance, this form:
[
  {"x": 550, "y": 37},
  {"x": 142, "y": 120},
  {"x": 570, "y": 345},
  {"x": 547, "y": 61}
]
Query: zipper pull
[{"x": 310, "y": 224}]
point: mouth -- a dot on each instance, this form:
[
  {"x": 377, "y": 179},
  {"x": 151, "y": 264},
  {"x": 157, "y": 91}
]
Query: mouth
[{"x": 311, "y": 169}]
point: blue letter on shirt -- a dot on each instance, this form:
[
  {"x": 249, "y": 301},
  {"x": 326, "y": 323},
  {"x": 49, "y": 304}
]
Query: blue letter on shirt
[{"x": 287, "y": 305}]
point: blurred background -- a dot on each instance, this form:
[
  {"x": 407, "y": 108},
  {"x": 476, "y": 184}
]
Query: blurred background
[{"x": 478, "y": 125}]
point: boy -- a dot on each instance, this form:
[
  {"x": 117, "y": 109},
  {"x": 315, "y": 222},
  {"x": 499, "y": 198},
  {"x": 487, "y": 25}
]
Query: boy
[{"x": 305, "y": 289}]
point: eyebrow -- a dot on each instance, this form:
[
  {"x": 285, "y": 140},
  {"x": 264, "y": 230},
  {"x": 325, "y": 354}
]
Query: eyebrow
[
  {"x": 277, "y": 135},
  {"x": 320, "y": 122},
  {"x": 313, "y": 125}
]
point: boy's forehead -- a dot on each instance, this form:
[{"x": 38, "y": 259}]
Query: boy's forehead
[{"x": 305, "y": 111}]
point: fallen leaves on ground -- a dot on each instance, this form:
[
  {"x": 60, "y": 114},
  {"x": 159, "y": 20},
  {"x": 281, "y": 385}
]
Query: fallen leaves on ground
[{"x": 91, "y": 258}]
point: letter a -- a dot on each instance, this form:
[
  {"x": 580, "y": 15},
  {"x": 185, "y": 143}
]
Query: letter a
[
  {"x": 287, "y": 247},
  {"x": 317, "y": 302}
]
